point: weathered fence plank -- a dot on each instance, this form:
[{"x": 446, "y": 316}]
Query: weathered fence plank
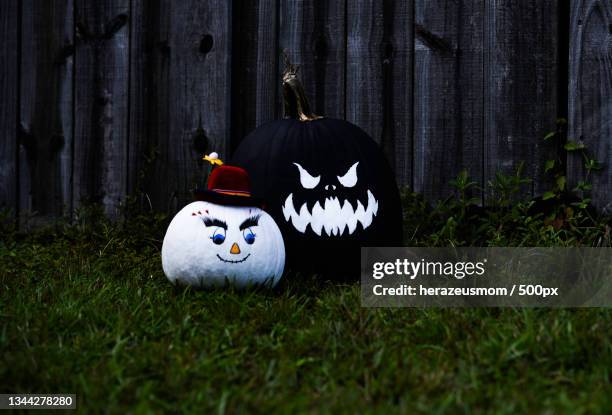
[
  {"x": 199, "y": 90},
  {"x": 255, "y": 67},
  {"x": 470, "y": 75},
  {"x": 448, "y": 94},
  {"x": 397, "y": 75},
  {"x": 520, "y": 87},
  {"x": 47, "y": 50},
  {"x": 590, "y": 93},
  {"x": 149, "y": 104},
  {"x": 9, "y": 96},
  {"x": 313, "y": 34},
  {"x": 101, "y": 103},
  {"x": 364, "y": 61},
  {"x": 380, "y": 52}
]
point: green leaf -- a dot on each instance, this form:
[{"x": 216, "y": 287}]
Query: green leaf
[
  {"x": 550, "y": 164},
  {"x": 583, "y": 204},
  {"x": 573, "y": 146},
  {"x": 561, "y": 182},
  {"x": 548, "y": 195},
  {"x": 550, "y": 135},
  {"x": 561, "y": 121},
  {"x": 582, "y": 186},
  {"x": 591, "y": 164}
]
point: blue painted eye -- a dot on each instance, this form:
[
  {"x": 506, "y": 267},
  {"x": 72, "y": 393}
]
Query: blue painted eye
[
  {"x": 219, "y": 236},
  {"x": 249, "y": 236}
]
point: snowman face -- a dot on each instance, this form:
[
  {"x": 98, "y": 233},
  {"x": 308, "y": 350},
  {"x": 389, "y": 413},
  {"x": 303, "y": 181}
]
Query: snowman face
[
  {"x": 209, "y": 245},
  {"x": 224, "y": 237}
]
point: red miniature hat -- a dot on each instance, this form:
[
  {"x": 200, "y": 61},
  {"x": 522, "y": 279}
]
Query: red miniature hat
[
  {"x": 228, "y": 185},
  {"x": 230, "y": 180}
]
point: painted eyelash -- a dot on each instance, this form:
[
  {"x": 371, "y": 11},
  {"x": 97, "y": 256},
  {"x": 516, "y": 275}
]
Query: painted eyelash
[
  {"x": 214, "y": 222},
  {"x": 252, "y": 221}
]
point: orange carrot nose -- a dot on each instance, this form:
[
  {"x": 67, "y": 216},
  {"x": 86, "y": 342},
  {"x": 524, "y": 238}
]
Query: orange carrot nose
[{"x": 235, "y": 249}]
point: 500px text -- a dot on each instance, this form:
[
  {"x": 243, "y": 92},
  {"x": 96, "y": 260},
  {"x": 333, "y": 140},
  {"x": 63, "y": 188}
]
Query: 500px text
[{"x": 409, "y": 290}]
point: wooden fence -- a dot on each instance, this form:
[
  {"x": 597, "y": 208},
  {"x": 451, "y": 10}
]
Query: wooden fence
[{"x": 107, "y": 98}]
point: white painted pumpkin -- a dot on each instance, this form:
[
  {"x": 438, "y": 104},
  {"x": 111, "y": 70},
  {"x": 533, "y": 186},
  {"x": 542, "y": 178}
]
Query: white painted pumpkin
[{"x": 210, "y": 245}]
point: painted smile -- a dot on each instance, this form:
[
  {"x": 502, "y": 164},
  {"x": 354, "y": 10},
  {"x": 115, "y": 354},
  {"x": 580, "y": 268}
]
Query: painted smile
[
  {"x": 333, "y": 218},
  {"x": 229, "y": 261}
]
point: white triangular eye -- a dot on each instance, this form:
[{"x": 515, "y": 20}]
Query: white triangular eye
[
  {"x": 308, "y": 182},
  {"x": 350, "y": 177}
]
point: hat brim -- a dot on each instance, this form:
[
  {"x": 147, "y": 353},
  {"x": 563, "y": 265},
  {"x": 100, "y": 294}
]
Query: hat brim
[{"x": 225, "y": 199}]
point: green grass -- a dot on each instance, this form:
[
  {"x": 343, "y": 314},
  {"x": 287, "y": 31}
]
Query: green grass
[{"x": 86, "y": 309}]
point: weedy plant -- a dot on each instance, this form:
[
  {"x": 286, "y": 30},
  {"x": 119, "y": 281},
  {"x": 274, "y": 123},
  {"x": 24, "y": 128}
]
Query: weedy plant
[
  {"x": 559, "y": 217},
  {"x": 557, "y": 167}
]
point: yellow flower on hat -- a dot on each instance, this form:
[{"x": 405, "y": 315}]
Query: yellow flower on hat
[{"x": 213, "y": 158}]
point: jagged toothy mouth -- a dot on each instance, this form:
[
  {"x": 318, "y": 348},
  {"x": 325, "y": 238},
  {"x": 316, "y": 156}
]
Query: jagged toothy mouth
[
  {"x": 333, "y": 217},
  {"x": 229, "y": 261}
]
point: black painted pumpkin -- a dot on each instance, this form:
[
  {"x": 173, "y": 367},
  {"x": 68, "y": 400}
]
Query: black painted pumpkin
[{"x": 326, "y": 183}]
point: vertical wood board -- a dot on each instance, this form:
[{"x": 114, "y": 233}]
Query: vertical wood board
[
  {"x": 520, "y": 87},
  {"x": 149, "y": 105},
  {"x": 590, "y": 94},
  {"x": 255, "y": 67},
  {"x": 101, "y": 103},
  {"x": 46, "y": 103},
  {"x": 313, "y": 34},
  {"x": 364, "y": 66},
  {"x": 397, "y": 83},
  {"x": 448, "y": 95},
  {"x": 199, "y": 91},
  {"x": 9, "y": 95}
]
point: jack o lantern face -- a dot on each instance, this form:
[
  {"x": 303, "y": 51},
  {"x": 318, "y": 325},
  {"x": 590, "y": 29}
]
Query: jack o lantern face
[{"x": 332, "y": 205}]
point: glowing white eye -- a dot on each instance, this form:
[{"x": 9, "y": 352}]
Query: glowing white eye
[
  {"x": 350, "y": 177},
  {"x": 308, "y": 182}
]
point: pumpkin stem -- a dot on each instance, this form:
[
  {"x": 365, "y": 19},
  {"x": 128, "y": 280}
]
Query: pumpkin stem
[{"x": 294, "y": 98}]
